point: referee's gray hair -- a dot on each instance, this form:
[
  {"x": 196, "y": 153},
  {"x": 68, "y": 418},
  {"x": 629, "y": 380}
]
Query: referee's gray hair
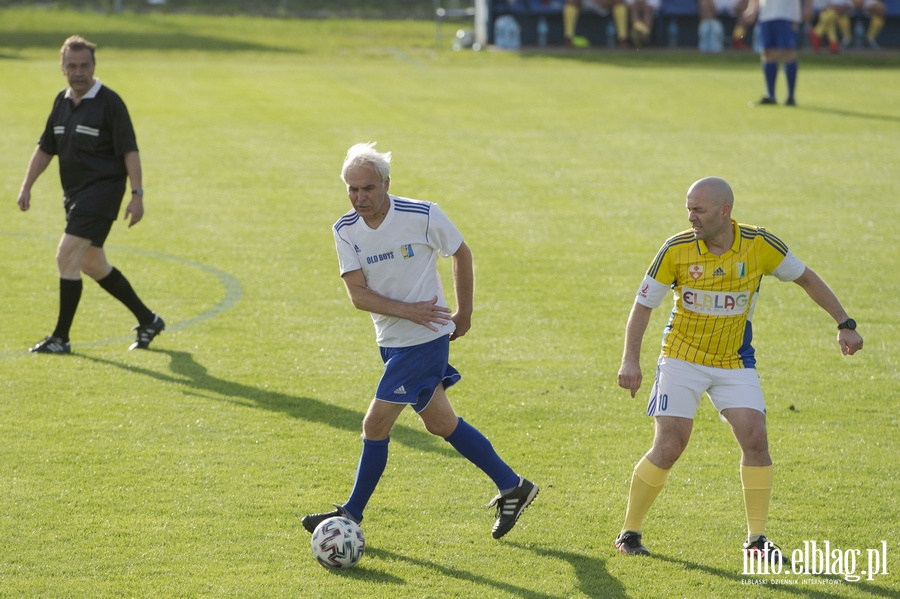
[{"x": 365, "y": 154}]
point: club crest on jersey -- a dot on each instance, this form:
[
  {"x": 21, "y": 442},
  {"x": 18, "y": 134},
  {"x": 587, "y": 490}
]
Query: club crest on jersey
[
  {"x": 695, "y": 271},
  {"x": 406, "y": 251}
]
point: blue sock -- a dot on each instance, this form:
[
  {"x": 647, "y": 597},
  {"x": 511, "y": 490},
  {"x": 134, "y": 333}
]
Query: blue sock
[
  {"x": 477, "y": 449},
  {"x": 790, "y": 71},
  {"x": 372, "y": 463},
  {"x": 770, "y": 70}
]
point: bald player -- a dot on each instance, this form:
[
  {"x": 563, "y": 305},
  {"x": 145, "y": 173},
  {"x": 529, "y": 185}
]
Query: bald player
[{"x": 715, "y": 269}]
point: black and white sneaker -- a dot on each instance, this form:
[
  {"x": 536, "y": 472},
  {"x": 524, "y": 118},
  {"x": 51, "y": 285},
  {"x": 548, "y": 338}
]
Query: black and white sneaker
[
  {"x": 511, "y": 506},
  {"x": 311, "y": 521},
  {"x": 629, "y": 542},
  {"x": 147, "y": 332},
  {"x": 764, "y": 549},
  {"x": 52, "y": 345}
]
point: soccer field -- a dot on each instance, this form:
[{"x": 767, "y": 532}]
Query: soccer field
[{"x": 184, "y": 471}]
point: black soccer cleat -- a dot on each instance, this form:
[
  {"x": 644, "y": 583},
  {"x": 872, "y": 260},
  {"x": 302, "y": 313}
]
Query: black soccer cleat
[
  {"x": 311, "y": 521},
  {"x": 629, "y": 542},
  {"x": 767, "y": 101},
  {"x": 147, "y": 332},
  {"x": 511, "y": 506},
  {"x": 764, "y": 549},
  {"x": 52, "y": 345}
]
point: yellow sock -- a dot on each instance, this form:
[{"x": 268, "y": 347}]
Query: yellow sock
[
  {"x": 843, "y": 23},
  {"x": 757, "y": 483},
  {"x": 826, "y": 19},
  {"x": 875, "y": 26},
  {"x": 620, "y": 17},
  {"x": 570, "y": 20},
  {"x": 646, "y": 483},
  {"x": 739, "y": 32}
]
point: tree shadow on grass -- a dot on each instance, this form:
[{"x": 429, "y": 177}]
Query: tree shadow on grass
[
  {"x": 799, "y": 588},
  {"x": 193, "y": 376},
  {"x": 160, "y": 41}
]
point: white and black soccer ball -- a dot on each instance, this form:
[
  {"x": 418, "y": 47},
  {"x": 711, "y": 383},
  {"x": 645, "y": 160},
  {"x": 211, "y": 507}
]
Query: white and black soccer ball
[{"x": 338, "y": 543}]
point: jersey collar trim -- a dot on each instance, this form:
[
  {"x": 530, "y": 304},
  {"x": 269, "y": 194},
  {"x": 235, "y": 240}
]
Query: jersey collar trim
[{"x": 92, "y": 93}]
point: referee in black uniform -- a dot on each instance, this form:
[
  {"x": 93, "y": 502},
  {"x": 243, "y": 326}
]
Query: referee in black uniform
[{"x": 90, "y": 130}]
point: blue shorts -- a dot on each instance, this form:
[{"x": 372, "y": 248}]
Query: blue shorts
[
  {"x": 778, "y": 35},
  {"x": 412, "y": 374}
]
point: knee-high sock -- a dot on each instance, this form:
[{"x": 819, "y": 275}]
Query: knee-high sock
[
  {"x": 757, "y": 484},
  {"x": 646, "y": 483},
  {"x": 876, "y": 24},
  {"x": 843, "y": 24},
  {"x": 770, "y": 72},
  {"x": 118, "y": 286},
  {"x": 790, "y": 73},
  {"x": 826, "y": 21},
  {"x": 570, "y": 20},
  {"x": 372, "y": 463},
  {"x": 476, "y": 448},
  {"x": 620, "y": 17},
  {"x": 69, "y": 298}
]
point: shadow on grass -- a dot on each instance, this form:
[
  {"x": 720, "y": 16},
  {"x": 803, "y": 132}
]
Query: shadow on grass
[
  {"x": 593, "y": 579},
  {"x": 160, "y": 41},
  {"x": 188, "y": 373},
  {"x": 496, "y": 584},
  {"x": 799, "y": 588},
  {"x": 691, "y": 59}
]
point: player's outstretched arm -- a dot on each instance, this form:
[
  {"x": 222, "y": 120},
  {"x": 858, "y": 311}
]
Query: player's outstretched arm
[
  {"x": 428, "y": 313},
  {"x": 630, "y": 375},
  {"x": 849, "y": 340}
]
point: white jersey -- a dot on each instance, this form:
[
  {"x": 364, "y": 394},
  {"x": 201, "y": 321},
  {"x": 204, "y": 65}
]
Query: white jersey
[
  {"x": 779, "y": 10},
  {"x": 399, "y": 261}
]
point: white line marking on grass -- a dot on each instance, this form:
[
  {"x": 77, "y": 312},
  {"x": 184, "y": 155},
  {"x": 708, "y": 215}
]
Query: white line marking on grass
[{"x": 233, "y": 293}]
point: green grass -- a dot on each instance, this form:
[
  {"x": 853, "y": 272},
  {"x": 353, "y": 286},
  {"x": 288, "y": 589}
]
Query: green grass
[{"x": 184, "y": 471}]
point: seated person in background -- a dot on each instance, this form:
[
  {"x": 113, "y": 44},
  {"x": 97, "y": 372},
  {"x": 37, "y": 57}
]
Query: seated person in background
[
  {"x": 573, "y": 9},
  {"x": 642, "y": 13},
  {"x": 877, "y": 13},
  {"x": 709, "y": 10},
  {"x": 832, "y": 14}
]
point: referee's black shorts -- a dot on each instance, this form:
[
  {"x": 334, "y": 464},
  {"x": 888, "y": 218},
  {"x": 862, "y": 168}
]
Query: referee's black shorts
[{"x": 95, "y": 227}]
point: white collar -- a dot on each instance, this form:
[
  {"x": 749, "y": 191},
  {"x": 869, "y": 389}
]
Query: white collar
[{"x": 91, "y": 93}]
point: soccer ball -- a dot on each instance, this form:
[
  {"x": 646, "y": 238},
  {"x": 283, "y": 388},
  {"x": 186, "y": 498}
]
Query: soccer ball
[{"x": 338, "y": 543}]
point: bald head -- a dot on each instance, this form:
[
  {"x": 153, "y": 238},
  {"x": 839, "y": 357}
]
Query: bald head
[
  {"x": 709, "y": 203},
  {"x": 714, "y": 190}
]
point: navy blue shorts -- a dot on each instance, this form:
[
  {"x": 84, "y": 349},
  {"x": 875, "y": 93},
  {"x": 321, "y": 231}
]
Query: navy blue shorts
[
  {"x": 412, "y": 374},
  {"x": 778, "y": 35}
]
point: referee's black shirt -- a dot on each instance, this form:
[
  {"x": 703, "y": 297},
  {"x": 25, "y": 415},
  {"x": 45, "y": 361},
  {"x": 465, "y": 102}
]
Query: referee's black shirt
[{"x": 91, "y": 140}]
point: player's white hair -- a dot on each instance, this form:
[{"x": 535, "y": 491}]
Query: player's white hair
[{"x": 365, "y": 154}]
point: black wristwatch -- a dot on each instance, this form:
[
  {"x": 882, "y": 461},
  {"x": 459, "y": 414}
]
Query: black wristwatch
[{"x": 847, "y": 324}]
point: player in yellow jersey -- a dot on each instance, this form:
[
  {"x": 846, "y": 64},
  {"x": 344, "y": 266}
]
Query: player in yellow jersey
[{"x": 715, "y": 269}]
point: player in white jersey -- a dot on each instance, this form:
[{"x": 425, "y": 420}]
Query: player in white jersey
[
  {"x": 779, "y": 21},
  {"x": 388, "y": 248},
  {"x": 714, "y": 269}
]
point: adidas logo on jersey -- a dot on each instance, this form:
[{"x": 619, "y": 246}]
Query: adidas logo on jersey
[
  {"x": 401, "y": 390},
  {"x": 719, "y": 272}
]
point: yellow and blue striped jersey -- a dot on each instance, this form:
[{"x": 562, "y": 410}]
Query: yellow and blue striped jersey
[{"x": 715, "y": 295}]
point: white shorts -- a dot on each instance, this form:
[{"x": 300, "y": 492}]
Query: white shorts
[{"x": 680, "y": 385}]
